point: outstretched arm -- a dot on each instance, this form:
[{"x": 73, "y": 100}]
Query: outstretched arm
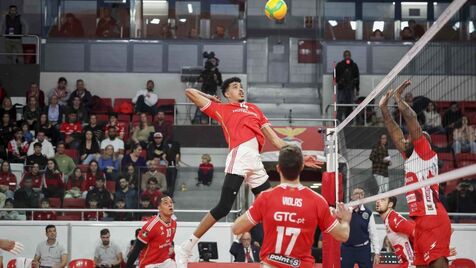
[
  {"x": 392, "y": 127},
  {"x": 199, "y": 98},
  {"x": 407, "y": 112}
]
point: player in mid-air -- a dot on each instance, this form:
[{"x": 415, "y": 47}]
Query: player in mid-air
[
  {"x": 155, "y": 239},
  {"x": 290, "y": 213},
  {"x": 399, "y": 230},
  {"x": 432, "y": 224},
  {"x": 245, "y": 128}
]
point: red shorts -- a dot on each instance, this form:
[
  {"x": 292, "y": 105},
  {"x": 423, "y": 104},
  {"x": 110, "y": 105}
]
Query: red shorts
[{"x": 432, "y": 237}]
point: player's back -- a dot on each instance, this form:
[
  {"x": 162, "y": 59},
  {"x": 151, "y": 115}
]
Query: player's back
[{"x": 290, "y": 216}]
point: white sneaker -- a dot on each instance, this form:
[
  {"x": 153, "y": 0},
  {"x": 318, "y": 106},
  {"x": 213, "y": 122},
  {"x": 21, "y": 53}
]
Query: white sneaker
[{"x": 182, "y": 256}]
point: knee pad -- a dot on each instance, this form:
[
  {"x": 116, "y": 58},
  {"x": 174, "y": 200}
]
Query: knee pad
[
  {"x": 263, "y": 187},
  {"x": 230, "y": 189}
]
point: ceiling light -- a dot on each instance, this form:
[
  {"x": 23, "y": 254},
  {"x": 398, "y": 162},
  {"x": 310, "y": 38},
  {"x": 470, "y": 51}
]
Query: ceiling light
[
  {"x": 155, "y": 21},
  {"x": 183, "y": 20},
  {"x": 378, "y": 25},
  {"x": 333, "y": 23},
  {"x": 353, "y": 25},
  {"x": 190, "y": 8}
]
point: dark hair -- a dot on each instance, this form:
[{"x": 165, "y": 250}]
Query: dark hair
[
  {"x": 393, "y": 199},
  {"x": 9, "y": 200},
  {"x": 100, "y": 179},
  {"x": 104, "y": 231},
  {"x": 62, "y": 79},
  {"x": 45, "y": 199},
  {"x": 111, "y": 127},
  {"x": 145, "y": 198},
  {"x": 137, "y": 231},
  {"x": 12, "y": 6},
  {"x": 152, "y": 179},
  {"x": 49, "y": 226},
  {"x": 39, "y": 131},
  {"x": 227, "y": 83},
  {"x": 79, "y": 80},
  {"x": 290, "y": 162},
  {"x": 37, "y": 144},
  {"x": 358, "y": 187},
  {"x": 60, "y": 143}
]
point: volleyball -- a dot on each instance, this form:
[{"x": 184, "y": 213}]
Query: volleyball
[{"x": 276, "y": 9}]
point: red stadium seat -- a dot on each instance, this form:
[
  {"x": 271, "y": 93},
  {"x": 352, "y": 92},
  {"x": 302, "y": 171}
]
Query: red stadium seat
[
  {"x": 125, "y": 118},
  {"x": 465, "y": 163},
  {"x": 81, "y": 263},
  {"x": 466, "y": 157},
  {"x": 111, "y": 186},
  {"x": 55, "y": 202},
  {"x": 462, "y": 263},
  {"x": 166, "y": 105},
  {"x": 73, "y": 154},
  {"x": 12, "y": 263},
  {"x": 471, "y": 117},
  {"x": 119, "y": 101},
  {"x": 136, "y": 119},
  {"x": 446, "y": 156},
  {"x": 468, "y": 106},
  {"x": 439, "y": 140},
  {"x": 442, "y": 105},
  {"x": 102, "y": 118},
  {"x": 447, "y": 166},
  {"x": 74, "y": 203}
]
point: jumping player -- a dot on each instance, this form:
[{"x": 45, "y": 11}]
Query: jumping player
[
  {"x": 245, "y": 128},
  {"x": 155, "y": 239},
  {"x": 432, "y": 224},
  {"x": 399, "y": 230},
  {"x": 290, "y": 213},
  {"x": 11, "y": 246}
]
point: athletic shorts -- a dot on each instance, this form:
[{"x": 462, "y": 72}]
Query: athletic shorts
[
  {"x": 432, "y": 237},
  {"x": 245, "y": 160},
  {"x": 169, "y": 263}
]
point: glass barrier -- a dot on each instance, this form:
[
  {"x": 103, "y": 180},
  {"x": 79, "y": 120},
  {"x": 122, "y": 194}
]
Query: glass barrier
[
  {"x": 224, "y": 21},
  {"x": 188, "y": 19}
]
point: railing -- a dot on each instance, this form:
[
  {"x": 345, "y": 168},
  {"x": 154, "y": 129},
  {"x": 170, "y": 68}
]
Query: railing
[
  {"x": 37, "y": 46},
  {"x": 364, "y": 111}
]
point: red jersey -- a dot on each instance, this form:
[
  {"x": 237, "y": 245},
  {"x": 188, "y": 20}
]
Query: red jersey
[
  {"x": 44, "y": 216},
  {"x": 8, "y": 179},
  {"x": 399, "y": 233},
  {"x": 290, "y": 215},
  {"x": 422, "y": 165},
  {"x": 240, "y": 121},
  {"x": 154, "y": 197},
  {"x": 70, "y": 128},
  {"x": 93, "y": 215},
  {"x": 158, "y": 237},
  {"x": 54, "y": 180},
  {"x": 90, "y": 180},
  {"x": 76, "y": 182}
]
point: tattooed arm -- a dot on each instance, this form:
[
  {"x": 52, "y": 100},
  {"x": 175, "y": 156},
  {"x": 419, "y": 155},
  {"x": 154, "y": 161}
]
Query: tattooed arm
[
  {"x": 407, "y": 112},
  {"x": 393, "y": 129}
]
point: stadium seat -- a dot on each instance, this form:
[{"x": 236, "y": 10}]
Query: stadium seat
[
  {"x": 471, "y": 117},
  {"x": 55, "y": 202},
  {"x": 102, "y": 118},
  {"x": 465, "y": 163},
  {"x": 465, "y": 157},
  {"x": 446, "y": 156},
  {"x": 74, "y": 203},
  {"x": 468, "y": 106},
  {"x": 439, "y": 140},
  {"x": 118, "y": 102},
  {"x": 442, "y": 105},
  {"x": 73, "y": 153},
  {"x": 111, "y": 186},
  {"x": 136, "y": 118},
  {"x": 447, "y": 166},
  {"x": 81, "y": 263},
  {"x": 125, "y": 118},
  {"x": 462, "y": 263}
]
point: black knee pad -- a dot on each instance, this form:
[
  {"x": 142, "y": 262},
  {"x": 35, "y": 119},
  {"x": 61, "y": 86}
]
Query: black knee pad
[
  {"x": 263, "y": 187},
  {"x": 230, "y": 189}
]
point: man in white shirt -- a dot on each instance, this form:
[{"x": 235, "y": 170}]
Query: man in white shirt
[
  {"x": 243, "y": 250},
  {"x": 145, "y": 100},
  {"x": 50, "y": 253},
  {"x": 46, "y": 146},
  {"x": 107, "y": 254},
  {"x": 113, "y": 140}
]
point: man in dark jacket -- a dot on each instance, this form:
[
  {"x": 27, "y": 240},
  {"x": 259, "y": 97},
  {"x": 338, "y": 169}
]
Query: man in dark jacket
[
  {"x": 245, "y": 250},
  {"x": 26, "y": 197},
  {"x": 13, "y": 25},
  {"x": 83, "y": 94},
  {"x": 101, "y": 194},
  {"x": 347, "y": 78}
]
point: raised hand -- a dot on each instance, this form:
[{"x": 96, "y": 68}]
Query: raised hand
[
  {"x": 312, "y": 162},
  {"x": 397, "y": 93},
  {"x": 342, "y": 212},
  {"x": 11, "y": 246},
  {"x": 384, "y": 100}
]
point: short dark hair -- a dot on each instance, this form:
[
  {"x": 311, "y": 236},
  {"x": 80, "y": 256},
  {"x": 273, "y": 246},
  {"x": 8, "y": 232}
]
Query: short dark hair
[
  {"x": 290, "y": 162},
  {"x": 152, "y": 179},
  {"x": 79, "y": 80},
  {"x": 49, "y": 226},
  {"x": 104, "y": 231},
  {"x": 62, "y": 79},
  {"x": 100, "y": 179},
  {"x": 12, "y": 6},
  {"x": 227, "y": 83},
  {"x": 393, "y": 199},
  {"x": 37, "y": 144},
  {"x": 60, "y": 143}
]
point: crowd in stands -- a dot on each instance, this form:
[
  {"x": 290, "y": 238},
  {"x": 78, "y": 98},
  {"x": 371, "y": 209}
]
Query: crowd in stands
[{"x": 75, "y": 156}]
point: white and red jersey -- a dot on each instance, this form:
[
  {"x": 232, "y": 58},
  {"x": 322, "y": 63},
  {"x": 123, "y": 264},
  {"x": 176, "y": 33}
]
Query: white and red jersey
[
  {"x": 422, "y": 165},
  {"x": 399, "y": 232},
  {"x": 158, "y": 237},
  {"x": 70, "y": 128},
  {"x": 290, "y": 215},
  {"x": 240, "y": 121}
]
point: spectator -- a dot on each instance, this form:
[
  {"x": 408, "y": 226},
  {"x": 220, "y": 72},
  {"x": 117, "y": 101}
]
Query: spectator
[
  {"x": 25, "y": 196},
  {"x": 27, "y": 135},
  {"x": 130, "y": 247},
  {"x": 407, "y": 34},
  {"x": 96, "y": 128},
  {"x": 54, "y": 111},
  {"x": 363, "y": 235},
  {"x": 145, "y": 204},
  {"x": 153, "y": 173},
  {"x": 44, "y": 215},
  {"x": 109, "y": 164},
  {"x": 205, "y": 171},
  {"x": 37, "y": 157},
  {"x": 243, "y": 250},
  {"x": 163, "y": 126},
  {"x": 65, "y": 163},
  {"x": 464, "y": 137},
  {"x": 380, "y": 163},
  {"x": 17, "y": 148},
  {"x": 8, "y": 180},
  {"x": 121, "y": 215},
  {"x": 451, "y": 117},
  {"x": 51, "y": 132},
  {"x": 432, "y": 120},
  {"x": 156, "y": 148},
  {"x": 220, "y": 32},
  {"x": 93, "y": 215},
  {"x": 50, "y": 253},
  {"x": 11, "y": 214},
  {"x": 107, "y": 26},
  {"x": 14, "y": 25},
  {"x": 7, "y": 128},
  {"x": 145, "y": 100},
  {"x": 72, "y": 27},
  {"x": 132, "y": 175},
  {"x": 71, "y": 131},
  {"x": 35, "y": 176},
  {"x": 92, "y": 175},
  {"x": 127, "y": 194},
  {"x": 83, "y": 94},
  {"x": 35, "y": 91},
  {"x": 347, "y": 78},
  {"x": 31, "y": 112},
  {"x": 463, "y": 199},
  {"x": 377, "y": 35},
  {"x": 100, "y": 193},
  {"x": 3, "y": 92},
  {"x": 61, "y": 91},
  {"x": 152, "y": 192},
  {"x": 54, "y": 181},
  {"x": 116, "y": 143},
  {"x": 81, "y": 112},
  {"x": 9, "y": 108},
  {"x": 120, "y": 127},
  {"x": 143, "y": 131},
  {"x": 46, "y": 146},
  {"x": 75, "y": 187},
  {"x": 210, "y": 77},
  {"x": 172, "y": 157},
  {"x": 89, "y": 148},
  {"x": 134, "y": 157},
  {"x": 107, "y": 254},
  {"x": 417, "y": 30}
]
